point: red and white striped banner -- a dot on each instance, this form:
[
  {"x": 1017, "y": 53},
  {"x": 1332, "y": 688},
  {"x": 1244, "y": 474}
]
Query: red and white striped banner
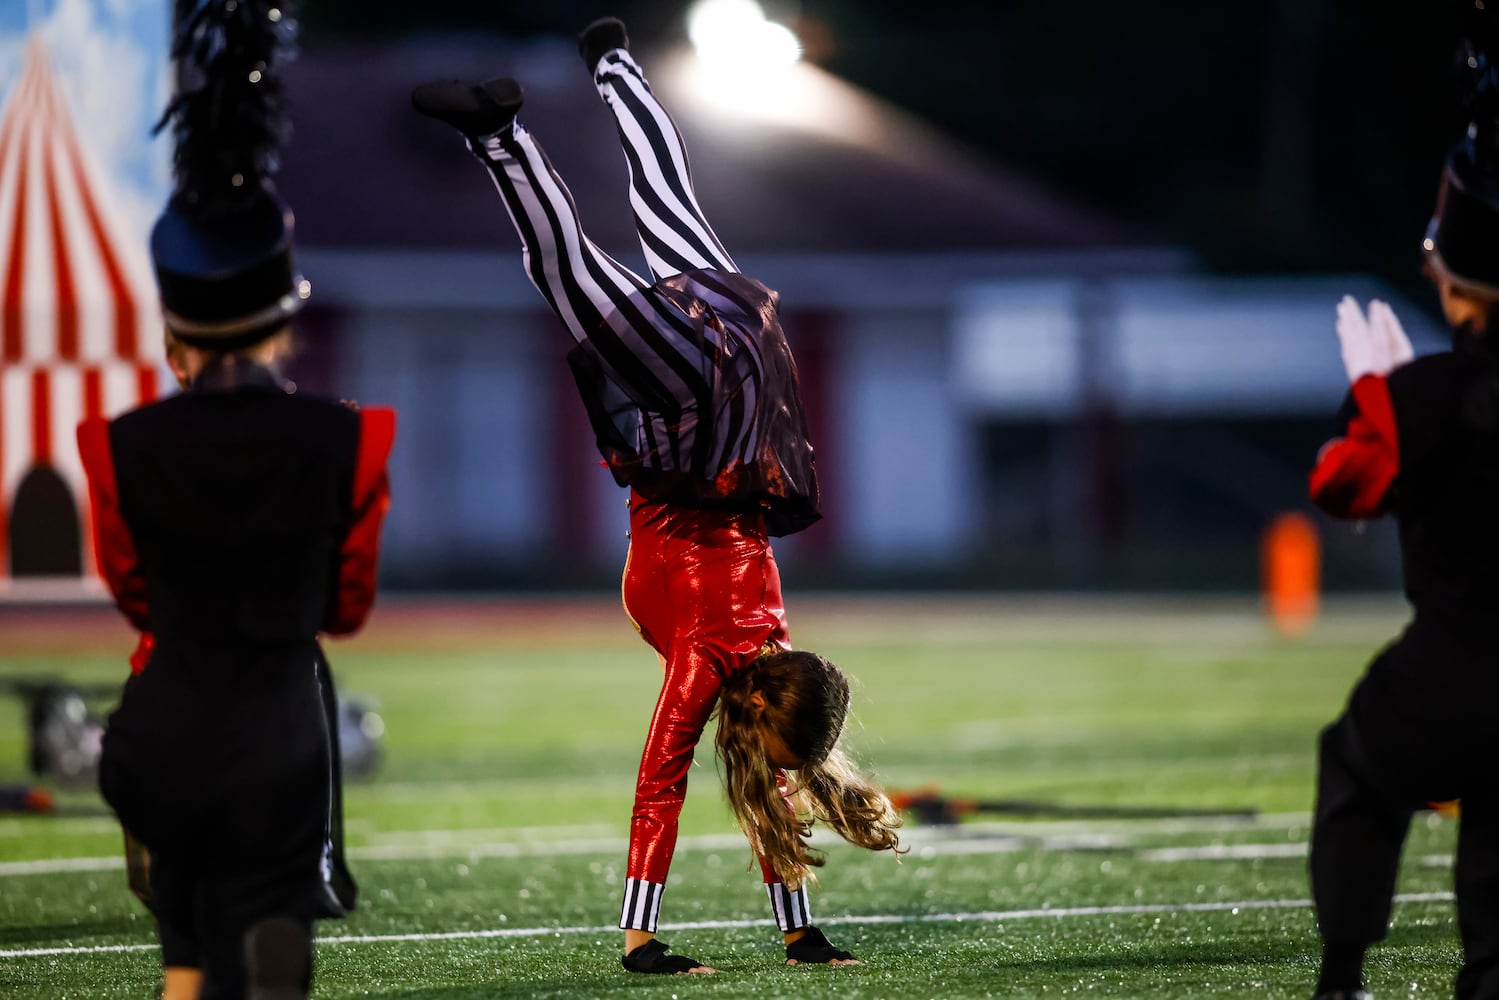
[{"x": 79, "y": 325}]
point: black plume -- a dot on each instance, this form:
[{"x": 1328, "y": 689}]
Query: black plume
[
  {"x": 228, "y": 116},
  {"x": 1478, "y": 69}
]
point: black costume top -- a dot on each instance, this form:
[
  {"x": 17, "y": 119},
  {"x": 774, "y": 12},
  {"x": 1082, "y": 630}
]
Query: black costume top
[
  {"x": 1423, "y": 444},
  {"x": 724, "y": 427},
  {"x": 232, "y": 523}
]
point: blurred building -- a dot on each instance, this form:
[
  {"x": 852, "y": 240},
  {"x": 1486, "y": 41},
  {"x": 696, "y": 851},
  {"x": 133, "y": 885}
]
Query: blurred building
[
  {"x": 78, "y": 329},
  {"x": 1008, "y": 388}
]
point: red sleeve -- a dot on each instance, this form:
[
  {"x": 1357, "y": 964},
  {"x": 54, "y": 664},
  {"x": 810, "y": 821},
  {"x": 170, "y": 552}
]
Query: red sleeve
[
  {"x": 142, "y": 654},
  {"x": 1354, "y": 473},
  {"x": 359, "y": 556},
  {"x": 688, "y": 694},
  {"x": 114, "y": 549}
]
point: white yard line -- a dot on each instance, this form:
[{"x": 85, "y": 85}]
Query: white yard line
[
  {"x": 51, "y": 866},
  {"x": 926, "y": 841},
  {"x": 982, "y": 916},
  {"x": 1224, "y": 852}
]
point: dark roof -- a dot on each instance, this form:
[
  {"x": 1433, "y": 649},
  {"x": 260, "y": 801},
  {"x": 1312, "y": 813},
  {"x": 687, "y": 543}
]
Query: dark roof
[{"x": 363, "y": 170}]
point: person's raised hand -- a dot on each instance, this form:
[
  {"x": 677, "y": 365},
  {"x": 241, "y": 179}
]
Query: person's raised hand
[
  {"x": 1365, "y": 349},
  {"x": 1397, "y": 345}
]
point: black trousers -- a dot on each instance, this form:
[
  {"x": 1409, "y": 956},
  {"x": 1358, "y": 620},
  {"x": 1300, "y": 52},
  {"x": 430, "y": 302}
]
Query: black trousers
[
  {"x": 1389, "y": 755},
  {"x": 229, "y": 787}
]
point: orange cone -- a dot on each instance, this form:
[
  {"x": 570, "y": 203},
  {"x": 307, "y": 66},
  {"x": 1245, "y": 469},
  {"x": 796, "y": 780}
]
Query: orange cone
[{"x": 1291, "y": 573}]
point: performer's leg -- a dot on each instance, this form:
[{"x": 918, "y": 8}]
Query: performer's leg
[
  {"x": 649, "y": 343},
  {"x": 1357, "y": 836},
  {"x": 582, "y": 283},
  {"x": 792, "y": 907},
  {"x": 805, "y": 943},
  {"x": 1477, "y": 882},
  {"x": 173, "y": 897},
  {"x": 689, "y": 690},
  {"x": 343, "y": 891},
  {"x": 673, "y": 232},
  {"x": 173, "y": 891},
  {"x": 181, "y": 982}
]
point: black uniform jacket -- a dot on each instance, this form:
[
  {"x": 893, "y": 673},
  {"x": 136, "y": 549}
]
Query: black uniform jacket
[
  {"x": 233, "y": 523},
  {"x": 1423, "y": 445}
]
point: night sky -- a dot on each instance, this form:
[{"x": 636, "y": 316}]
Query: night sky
[{"x": 1270, "y": 136}]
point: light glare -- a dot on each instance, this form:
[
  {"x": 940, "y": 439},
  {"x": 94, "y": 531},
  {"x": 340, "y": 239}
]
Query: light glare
[{"x": 735, "y": 34}]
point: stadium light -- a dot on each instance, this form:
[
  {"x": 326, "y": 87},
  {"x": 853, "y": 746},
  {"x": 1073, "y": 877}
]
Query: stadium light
[
  {"x": 735, "y": 35},
  {"x": 744, "y": 61}
]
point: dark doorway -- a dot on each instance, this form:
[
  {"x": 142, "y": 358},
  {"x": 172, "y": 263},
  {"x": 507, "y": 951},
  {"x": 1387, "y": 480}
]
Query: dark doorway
[{"x": 44, "y": 527}]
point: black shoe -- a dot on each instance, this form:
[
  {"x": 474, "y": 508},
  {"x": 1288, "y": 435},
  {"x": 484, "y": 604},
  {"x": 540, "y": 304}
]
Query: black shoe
[
  {"x": 602, "y": 36},
  {"x": 505, "y": 94},
  {"x": 1345, "y": 995},
  {"x": 470, "y": 108}
]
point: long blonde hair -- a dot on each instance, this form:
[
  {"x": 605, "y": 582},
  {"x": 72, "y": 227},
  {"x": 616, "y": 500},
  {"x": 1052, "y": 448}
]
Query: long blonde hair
[{"x": 805, "y": 704}]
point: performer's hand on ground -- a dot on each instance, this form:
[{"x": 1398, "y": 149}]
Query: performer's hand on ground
[
  {"x": 809, "y": 946},
  {"x": 651, "y": 957}
]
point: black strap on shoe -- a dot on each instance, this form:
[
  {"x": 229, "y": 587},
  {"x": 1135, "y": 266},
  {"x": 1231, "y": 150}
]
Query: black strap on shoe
[
  {"x": 652, "y": 957},
  {"x": 813, "y": 948}
]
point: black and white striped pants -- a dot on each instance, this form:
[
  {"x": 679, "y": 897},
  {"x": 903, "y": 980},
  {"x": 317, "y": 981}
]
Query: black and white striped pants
[{"x": 649, "y": 342}]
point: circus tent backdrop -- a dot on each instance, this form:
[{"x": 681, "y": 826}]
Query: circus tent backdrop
[{"x": 78, "y": 329}]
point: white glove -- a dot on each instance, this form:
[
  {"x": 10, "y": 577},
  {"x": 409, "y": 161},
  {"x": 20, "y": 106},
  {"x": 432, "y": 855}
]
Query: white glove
[
  {"x": 1366, "y": 351},
  {"x": 1397, "y": 344}
]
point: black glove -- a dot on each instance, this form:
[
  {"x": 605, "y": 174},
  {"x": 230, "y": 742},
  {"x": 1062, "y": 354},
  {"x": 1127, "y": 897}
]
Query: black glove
[
  {"x": 813, "y": 948},
  {"x": 652, "y": 957}
]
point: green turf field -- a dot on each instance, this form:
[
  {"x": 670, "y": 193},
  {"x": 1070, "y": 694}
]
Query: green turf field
[{"x": 490, "y": 847}]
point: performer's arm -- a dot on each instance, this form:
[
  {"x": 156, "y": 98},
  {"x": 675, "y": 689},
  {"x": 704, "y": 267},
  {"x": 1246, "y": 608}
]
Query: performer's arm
[
  {"x": 1354, "y": 473},
  {"x": 114, "y": 548},
  {"x": 688, "y": 694},
  {"x": 359, "y": 557}
]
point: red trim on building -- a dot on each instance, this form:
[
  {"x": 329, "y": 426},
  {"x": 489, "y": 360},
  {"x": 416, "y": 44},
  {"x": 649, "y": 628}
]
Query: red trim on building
[
  {"x": 41, "y": 417},
  {"x": 574, "y": 462},
  {"x": 810, "y": 333}
]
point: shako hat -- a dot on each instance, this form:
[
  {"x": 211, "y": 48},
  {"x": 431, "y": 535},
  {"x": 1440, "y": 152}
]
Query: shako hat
[
  {"x": 222, "y": 247},
  {"x": 1463, "y": 236}
]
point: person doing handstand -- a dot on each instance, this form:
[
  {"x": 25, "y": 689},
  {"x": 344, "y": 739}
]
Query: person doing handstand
[{"x": 692, "y": 392}]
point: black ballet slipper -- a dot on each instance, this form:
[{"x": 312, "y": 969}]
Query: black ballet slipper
[
  {"x": 474, "y": 109},
  {"x": 813, "y": 948},
  {"x": 602, "y": 36}
]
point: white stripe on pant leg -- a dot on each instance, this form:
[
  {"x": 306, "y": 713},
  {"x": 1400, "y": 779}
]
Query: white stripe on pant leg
[
  {"x": 642, "y": 907},
  {"x": 793, "y": 909},
  {"x": 626, "y": 285},
  {"x": 688, "y": 217},
  {"x": 549, "y": 191},
  {"x": 511, "y": 175},
  {"x": 666, "y": 127},
  {"x": 677, "y": 231}
]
